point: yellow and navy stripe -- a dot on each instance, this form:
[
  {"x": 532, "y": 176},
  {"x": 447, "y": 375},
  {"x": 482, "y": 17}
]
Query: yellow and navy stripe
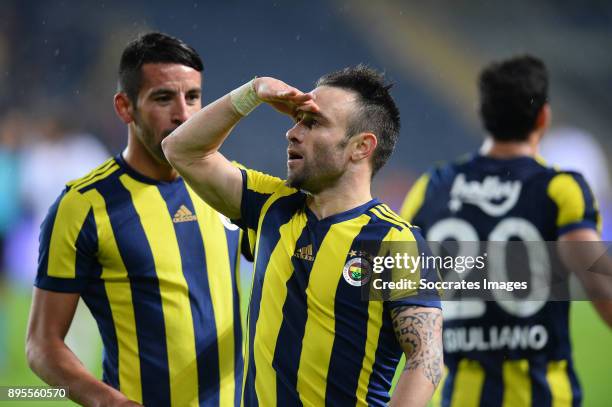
[
  {"x": 164, "y": 294},
  {"x": 575, "y": 204},
  {"x": 415, "y": 198},
  {"x": 537, "y": 381},
  {"x": 312, "y": 339}
]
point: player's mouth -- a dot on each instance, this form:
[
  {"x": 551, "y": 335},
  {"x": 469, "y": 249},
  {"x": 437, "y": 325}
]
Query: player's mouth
[{"x": 293, "y": 157}]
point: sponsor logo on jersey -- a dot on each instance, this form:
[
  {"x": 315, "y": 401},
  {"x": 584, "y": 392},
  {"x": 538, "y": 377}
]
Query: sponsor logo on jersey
[
  {"x": 493, "y": 196},
  {"x": 183, "y": 214},
  {"x": 304, "y": 253}
]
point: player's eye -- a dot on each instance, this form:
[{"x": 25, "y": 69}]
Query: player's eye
[
  {"x": 193, "y": 98},
  {"x": 162, "y": 98},
  {"x": 310, "y": 122}
]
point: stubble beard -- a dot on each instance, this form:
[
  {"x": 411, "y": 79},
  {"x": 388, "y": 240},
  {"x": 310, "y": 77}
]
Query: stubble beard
[
  {"x": 147, "y": 139},
  {"x": 316, "y": 176},
  {"x": 297, "y": 179}
]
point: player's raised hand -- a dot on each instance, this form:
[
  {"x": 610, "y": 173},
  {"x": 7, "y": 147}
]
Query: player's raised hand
[{"x": 284, "y": 98}]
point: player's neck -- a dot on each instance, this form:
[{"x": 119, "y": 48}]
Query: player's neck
[
  {"x": 509, "y": 149},
  {"x": 345, "y": 195},
  {"x": 137, "y": 157}
]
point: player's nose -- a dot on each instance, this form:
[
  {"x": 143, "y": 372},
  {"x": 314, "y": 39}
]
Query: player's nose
[
  {"x": 294, "y": 134},
  {"x": 180, "y": 111}
]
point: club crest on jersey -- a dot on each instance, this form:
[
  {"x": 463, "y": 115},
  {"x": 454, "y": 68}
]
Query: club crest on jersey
[
  {"x": 357, "y": 271},
  {"x": 493, "y": 196}
]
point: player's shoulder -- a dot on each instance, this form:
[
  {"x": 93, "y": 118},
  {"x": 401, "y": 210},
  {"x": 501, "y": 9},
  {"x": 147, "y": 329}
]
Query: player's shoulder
[
  {"x": 72, "y": 196},
  {"x": 382, "y": 215},
  {"x": 99, "y": 173},
  {"x": 552, "y": 174},
  {"x": 555, "y": 174},
  {"x": 535, "y": 168},
  {"x": 562, "y": 183},
  {"x": 263, "y": 183},
  {"x": 444, "y": 172},
  {"x": 548, "y": 171}
]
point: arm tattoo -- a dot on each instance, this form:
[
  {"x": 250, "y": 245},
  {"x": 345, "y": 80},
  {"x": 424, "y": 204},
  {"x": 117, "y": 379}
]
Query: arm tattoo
[{"x": 419, "y": 333}]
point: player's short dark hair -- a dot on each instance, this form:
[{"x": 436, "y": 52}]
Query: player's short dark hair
[
  {"x": 377, "y": 111},
  {"x": 512, "y": 94},
  {"x": 152, "y": 48}
]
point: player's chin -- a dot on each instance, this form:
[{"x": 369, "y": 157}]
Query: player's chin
[
  {"x": 158, "y": 155},
  {"x": 294, "y": 179},
  {"x": 165, "y": 134},
  {"x": 294, "y": 166}
]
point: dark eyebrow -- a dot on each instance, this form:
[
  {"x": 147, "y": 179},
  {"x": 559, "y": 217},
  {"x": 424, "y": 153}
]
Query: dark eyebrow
[
  {"x": 317, "y": 115},
  {"x": 198, "y": 90},
  {"x": 168, "y": 91},
  {"x": 162, "y": 91}
]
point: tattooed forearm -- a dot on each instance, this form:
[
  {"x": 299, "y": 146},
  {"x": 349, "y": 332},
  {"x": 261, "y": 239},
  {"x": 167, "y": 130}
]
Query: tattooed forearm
[{"x": 419, "y": 332}]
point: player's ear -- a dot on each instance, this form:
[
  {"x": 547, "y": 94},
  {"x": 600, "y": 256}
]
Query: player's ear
[
  {"x": 364, "y": 146},
  {"x": 544, "y": 117},
  {"x": 123, "y": 107}
]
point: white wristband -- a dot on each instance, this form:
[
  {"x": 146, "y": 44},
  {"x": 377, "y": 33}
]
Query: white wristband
[{"x": 245, "y": 99}]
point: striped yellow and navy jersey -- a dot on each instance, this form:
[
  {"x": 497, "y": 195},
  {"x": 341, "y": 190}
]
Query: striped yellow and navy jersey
[
  {"x": 498, "y": 355},
  {"x": 312, "y": 340},
  {"x": 157, "y": 267}
]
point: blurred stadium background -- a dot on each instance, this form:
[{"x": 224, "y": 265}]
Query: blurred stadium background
[{"x": 58, "y": 62}]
